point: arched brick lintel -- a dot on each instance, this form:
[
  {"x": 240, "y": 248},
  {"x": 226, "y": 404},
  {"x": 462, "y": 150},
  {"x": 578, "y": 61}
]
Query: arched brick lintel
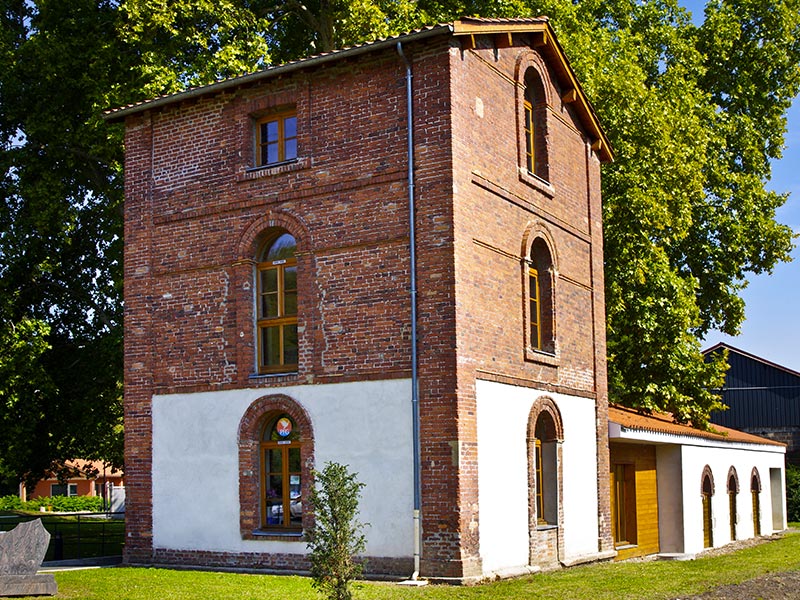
[{"x": 250, "y": 428}]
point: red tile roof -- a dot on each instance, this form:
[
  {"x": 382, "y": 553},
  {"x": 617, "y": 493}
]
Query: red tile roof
[{"x": 664, "y": 423}]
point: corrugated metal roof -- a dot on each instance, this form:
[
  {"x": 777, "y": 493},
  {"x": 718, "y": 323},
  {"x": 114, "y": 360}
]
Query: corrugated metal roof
[{"x": 664, "y": 423}]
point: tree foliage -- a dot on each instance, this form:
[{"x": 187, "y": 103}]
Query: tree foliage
[
  {"x": 695, "y": 114},
  {"x": 336, "y": 536},
  {"x": 61, "y": 65}
]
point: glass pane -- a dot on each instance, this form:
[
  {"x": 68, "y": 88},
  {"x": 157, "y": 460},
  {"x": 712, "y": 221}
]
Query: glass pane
[
  {"x": 271, "y": 131},
  {"x": 274, "y": 487},
  {"x": 269, "y": 305},
  {"x": 269, "y": 280},
  {"x": 282, "y": 248},
  {"x": 264, "y": 156},
  {"x": 290, "y": 345},
  {"x": 274, "y": 510},
  {"x": 290, "y": 303},
  {"x": 290, "y": 127},
  {"x": 269, "y": 293},
  {"x": 294, "y": 466},
  {"x": 272, "y": 153},
  {"x": 274, "y": 462},
  {"x": 290, "y": 279},
  {"x": 263, "y": 134},
  {"x": 271, "y": 346},
  {"x": 290, "y": 149}
]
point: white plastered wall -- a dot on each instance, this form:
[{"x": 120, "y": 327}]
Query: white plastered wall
[
  {"x": 720, "y": 459},
  {"x": 502, "y": 417},
  {"x": 366, "y": 425}
]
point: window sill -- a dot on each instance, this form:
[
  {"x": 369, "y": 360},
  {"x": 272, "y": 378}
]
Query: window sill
[
  {"x": 266, "y": 378},
  {"x": 278, "y": 536},
  {"x": 546, "y": 527},
  {"x": 276, "y": 169},
  {"x": 536, "y": 182},
  {"x": 541, "y": 357},
  {"x": 625, "y": 546}
]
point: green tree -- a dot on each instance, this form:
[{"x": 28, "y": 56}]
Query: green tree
[
  {"x": 336, "y": 536},
  {"x": 695, "y": 115},
  {"x": 686, "y": 212},
  {"x": 60, "y": 237},
  {"x": 298, "y": 29},
  {"x": 61, "y": 65}
]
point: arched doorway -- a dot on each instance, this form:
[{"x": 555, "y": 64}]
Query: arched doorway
[
  {"x": 707, "y": 490},
  {"x": 755, "y": 493},
  {"x": 733, "y": 491}
]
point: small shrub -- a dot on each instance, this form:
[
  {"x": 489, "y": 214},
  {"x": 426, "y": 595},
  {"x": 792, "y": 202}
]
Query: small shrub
[
  {"x": 10, "y": 503},
  {"x": 793, "y": 492},
  {"x": 336, "y": 536}
]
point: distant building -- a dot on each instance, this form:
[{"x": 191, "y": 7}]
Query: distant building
[
  {"x": 764, "y": 399},
  {"x": 107, "y": 483}
]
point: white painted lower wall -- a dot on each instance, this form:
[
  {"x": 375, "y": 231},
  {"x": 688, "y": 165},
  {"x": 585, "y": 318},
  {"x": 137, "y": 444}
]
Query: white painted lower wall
[
  {"x": 695, "y": 458},
  {"x": 502, "y": 421},
  {"x": 366, "y": 425}
]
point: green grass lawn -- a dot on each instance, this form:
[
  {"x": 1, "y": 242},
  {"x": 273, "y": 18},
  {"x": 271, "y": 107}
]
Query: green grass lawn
[{"x": 640, "y": 580}]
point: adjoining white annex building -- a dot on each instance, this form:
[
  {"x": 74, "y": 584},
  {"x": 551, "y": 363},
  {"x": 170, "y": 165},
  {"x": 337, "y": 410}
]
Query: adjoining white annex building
[{"x": 679, "y": 490}]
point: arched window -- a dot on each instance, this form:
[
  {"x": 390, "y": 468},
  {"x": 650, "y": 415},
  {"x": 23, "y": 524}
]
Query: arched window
[
  {"x": 540, "y": 299},
  {"x": 733, "y": 490},
  {"x": 755, "y": 491},
  {"x": 281, "y": 474},
  {"x": 545, "y": 463},
  {"x": 707, "y": 490},
  {"x": 535, "y": 107},
  {"x": 276, "y": 459},
  {"x": 276, "y": 287}
]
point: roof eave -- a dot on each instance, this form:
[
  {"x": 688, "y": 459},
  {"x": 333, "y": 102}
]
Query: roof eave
[{"x": 119, "y": 114}]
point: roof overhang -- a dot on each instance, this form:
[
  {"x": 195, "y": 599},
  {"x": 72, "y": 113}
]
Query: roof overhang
[{"x": 466, "y": 30}]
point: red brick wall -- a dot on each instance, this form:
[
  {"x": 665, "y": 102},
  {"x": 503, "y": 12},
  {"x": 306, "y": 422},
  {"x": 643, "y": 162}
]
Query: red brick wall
[{"x": 194, "y": 215}]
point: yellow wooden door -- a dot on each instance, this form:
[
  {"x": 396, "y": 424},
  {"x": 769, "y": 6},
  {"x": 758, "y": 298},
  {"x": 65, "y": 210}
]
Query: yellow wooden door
[{"x": 708, "y": 538}]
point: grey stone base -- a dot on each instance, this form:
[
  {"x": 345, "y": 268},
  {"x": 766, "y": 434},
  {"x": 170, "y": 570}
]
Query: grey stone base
[{"x": 43, "y": 584}]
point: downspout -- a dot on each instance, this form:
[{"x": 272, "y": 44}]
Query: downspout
[{"x": 414, "y": 376}]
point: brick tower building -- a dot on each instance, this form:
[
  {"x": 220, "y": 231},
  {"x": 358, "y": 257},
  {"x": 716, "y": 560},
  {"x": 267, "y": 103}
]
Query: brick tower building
[{"x": 271, "y": 268}]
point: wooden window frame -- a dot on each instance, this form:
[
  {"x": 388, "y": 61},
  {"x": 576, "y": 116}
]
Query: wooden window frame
[
  {"x": 284, "y": 446},
  {"x": 535, "y": 308},
  {"x": 530, "y": 138},
  {"x": 282, "y": 141},
  {"x": 539, "y": 484},
  {"x": 281, "y": 320}
]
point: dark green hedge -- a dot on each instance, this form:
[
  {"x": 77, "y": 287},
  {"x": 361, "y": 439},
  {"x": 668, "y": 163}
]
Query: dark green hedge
[
  {"x": 54, "y": 503},
  {"x": 793, "y": 492}
]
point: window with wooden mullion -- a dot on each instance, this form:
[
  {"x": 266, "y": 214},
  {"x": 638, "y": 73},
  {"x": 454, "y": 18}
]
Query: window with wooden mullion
[
  {"x": 276, "y": 139},
  {"x": 535, "y": 309},
  {"x": 529, "y": 139},
  {"x": 281, "y": 473},
  {"x": 539, "y": 483},
  {"x": 277, "y": 322}
]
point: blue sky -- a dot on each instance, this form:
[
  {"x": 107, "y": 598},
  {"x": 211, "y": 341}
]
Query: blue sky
[{"x": 772, "y": 326}]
